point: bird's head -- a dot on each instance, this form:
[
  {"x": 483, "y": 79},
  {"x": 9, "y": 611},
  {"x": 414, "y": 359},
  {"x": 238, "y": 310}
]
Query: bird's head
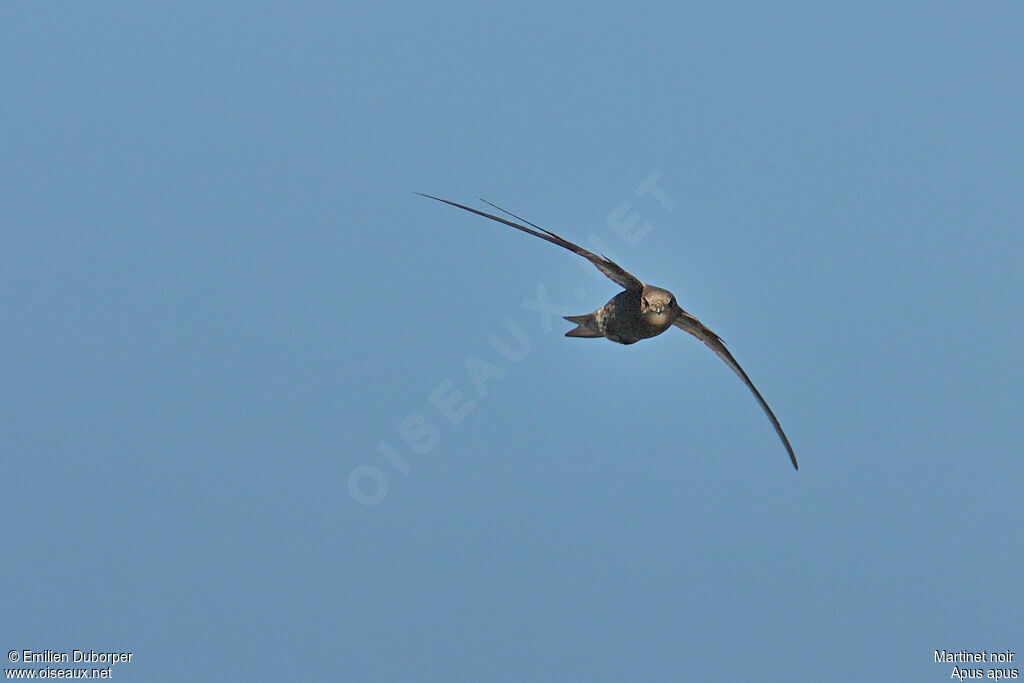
[{"x": 658, "y": 305}]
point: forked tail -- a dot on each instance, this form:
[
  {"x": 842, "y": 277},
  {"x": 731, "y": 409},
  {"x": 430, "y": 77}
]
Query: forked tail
[{"x": 586, "y": 326}]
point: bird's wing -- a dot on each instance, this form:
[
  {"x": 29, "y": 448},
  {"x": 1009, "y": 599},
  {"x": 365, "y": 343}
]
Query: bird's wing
[
  {"x": 687, "y": 322},
  {"x": 613, "y": 270}
]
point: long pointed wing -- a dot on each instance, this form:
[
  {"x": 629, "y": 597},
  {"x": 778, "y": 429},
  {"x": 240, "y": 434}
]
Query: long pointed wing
[
  {"x": 687, "y": 322},
  {"x": 611, "y": 269}
]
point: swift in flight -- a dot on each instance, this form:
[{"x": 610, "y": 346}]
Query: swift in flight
[{"x": 638, "y": 312}]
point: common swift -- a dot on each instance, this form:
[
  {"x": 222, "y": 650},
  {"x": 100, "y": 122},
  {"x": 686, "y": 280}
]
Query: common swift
[{"x": 638, "y": 312}]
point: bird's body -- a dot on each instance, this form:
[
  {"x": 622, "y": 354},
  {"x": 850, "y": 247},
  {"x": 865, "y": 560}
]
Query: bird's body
[
  {"x": 638, "y": 312},
  {"x": 626, "y": 319}
]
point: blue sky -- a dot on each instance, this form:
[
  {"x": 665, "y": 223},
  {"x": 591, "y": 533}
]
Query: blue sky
[{"x": 223, "y": 308}]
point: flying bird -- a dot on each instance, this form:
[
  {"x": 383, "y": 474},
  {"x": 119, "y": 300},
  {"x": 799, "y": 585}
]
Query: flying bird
[{"x": 638, "y": 312}]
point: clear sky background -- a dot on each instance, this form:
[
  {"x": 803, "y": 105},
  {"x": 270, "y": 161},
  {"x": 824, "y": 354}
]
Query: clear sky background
[{"x": 219, "y": 297}]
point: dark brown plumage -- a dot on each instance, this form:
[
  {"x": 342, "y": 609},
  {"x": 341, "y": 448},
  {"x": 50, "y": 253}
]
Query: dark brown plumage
[{"x": 639, "y": 312}]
